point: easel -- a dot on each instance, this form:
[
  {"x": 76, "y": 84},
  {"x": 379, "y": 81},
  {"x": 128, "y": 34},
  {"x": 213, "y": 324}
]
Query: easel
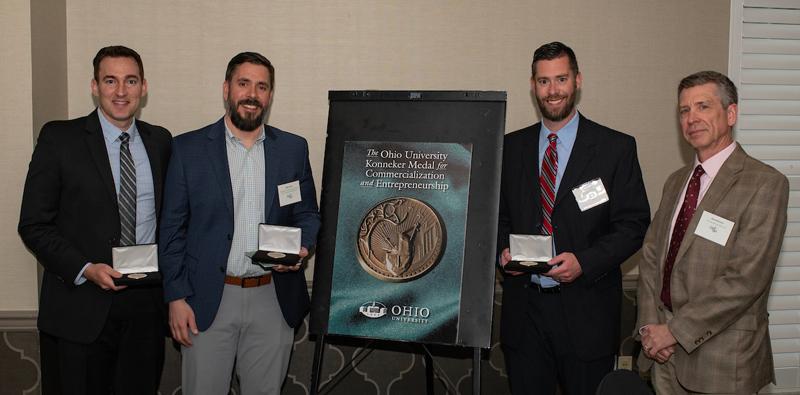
[
  {"x": 468, "y": 125},
  {"x": 430, "y": 367}
]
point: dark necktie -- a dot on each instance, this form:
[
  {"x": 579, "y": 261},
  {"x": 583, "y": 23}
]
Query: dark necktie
[
  {"x": 679, "y": 230},
  {"x": 547, "y": 183},
  {"x": 127, "y": 193}
]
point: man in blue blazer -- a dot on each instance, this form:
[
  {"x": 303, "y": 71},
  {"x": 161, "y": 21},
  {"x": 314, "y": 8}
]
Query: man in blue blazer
[{"x": 226, "y": 179}]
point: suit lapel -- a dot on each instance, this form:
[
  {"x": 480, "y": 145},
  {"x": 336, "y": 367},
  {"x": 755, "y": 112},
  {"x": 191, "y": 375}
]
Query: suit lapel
[
  {"x": 270, "y": 169},
  {"x": 673, "y": 190},
  {"x": 96, "y": 144},
  {"x": 722, "y": 183},
  {"x": 218, "y": 157},
  {"x": 530, "y": 177},
  {"x": 155, "y": 161},
  {"x": 583, "y": 153}
]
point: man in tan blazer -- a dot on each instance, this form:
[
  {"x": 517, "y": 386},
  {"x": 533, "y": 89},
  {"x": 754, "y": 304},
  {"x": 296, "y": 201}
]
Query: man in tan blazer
[{"x": 709, "y": 256}]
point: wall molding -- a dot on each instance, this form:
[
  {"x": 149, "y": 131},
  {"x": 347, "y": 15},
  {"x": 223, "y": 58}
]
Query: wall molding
[{"x": 18, "y": 320}]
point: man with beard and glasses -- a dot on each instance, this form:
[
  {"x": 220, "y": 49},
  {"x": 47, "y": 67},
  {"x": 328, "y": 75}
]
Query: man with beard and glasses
[
  {"x": 222, "y": 182},
  {"x": 581, "y": 183}
]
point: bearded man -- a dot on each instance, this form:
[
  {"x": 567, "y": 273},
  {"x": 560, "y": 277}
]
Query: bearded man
[
  {"x": 561, "y": 328},
  {"x": 224, "y": 180}
]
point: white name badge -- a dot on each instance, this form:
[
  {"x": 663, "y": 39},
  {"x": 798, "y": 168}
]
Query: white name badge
[
  {"x": 590, "y": 194},
  {"x": 289, "y": 193},
  {"x": 714, "y": 228}
]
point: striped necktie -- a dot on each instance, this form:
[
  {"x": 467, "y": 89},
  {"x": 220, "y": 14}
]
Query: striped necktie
[
  {"x": 127, "y": 193},
  {"x": 547, "y": 183}
]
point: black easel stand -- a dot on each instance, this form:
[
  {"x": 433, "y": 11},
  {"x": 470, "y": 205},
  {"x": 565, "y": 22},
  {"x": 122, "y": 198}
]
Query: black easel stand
[{"x": 430, "y": 367}]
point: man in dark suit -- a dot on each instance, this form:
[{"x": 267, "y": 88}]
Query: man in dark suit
[
  {"x": 562, "y": 328},
  {"x": 709, "y": 256},
  {"x": 96, "y": 337},
  {"x": 223, "y": 181}
]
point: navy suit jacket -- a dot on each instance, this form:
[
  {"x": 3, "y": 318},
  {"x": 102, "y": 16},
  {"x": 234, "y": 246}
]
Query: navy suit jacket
[
  {"x": 602, "y": 237},
  {"x": 197, "y": 219},
  {"x": 69, "y": 217}
]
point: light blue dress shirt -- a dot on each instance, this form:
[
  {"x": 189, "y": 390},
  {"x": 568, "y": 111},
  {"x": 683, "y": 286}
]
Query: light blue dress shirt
[
  {"x": 247, "y": 169},
  {"x": 566, "y": 139},
  {"x": 145, "y": 191}
]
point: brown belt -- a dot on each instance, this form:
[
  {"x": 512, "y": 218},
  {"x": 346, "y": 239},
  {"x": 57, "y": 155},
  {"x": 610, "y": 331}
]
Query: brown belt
[{"x": 249, "y": 282}]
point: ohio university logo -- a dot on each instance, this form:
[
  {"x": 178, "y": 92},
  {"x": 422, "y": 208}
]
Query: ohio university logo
[{"x": 373, "y": 309}]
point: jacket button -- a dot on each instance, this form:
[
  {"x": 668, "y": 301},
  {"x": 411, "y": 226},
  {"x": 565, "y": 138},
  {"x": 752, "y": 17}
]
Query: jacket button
[
  {"x": 230, "y": 236},
  {"x": 222, "y": 269}
]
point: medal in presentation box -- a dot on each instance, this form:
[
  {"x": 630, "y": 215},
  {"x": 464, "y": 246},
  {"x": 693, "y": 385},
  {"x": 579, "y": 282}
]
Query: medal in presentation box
[
  {"x": 530, "y": 253},
  {"x": 137, "y": 263},
  {"x": 277, "y": 245}
]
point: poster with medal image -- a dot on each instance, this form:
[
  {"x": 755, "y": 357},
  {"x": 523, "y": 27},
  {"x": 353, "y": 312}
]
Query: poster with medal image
[
  {"x": 405, "y": 206},
  {"x": 409, "y": 202}
]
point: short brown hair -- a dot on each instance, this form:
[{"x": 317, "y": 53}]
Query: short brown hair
[
  {"x": 250, "y": 57},
  {"x": 554, "y": 50},
  {"x": 116, "y": 51},
  {"x": 725, "y": 87}
]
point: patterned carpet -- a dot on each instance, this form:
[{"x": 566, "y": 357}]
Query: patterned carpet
[{"x": 379, "y": 367}]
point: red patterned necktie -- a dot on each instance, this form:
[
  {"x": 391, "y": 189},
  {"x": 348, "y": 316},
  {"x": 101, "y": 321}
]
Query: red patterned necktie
[
  {"x": 679, "y": 230},
  {"x": 547, "y": 183}
]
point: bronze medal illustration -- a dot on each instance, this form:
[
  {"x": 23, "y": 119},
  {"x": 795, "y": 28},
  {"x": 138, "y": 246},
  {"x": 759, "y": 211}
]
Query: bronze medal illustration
[{"x": 400, "y": 239}]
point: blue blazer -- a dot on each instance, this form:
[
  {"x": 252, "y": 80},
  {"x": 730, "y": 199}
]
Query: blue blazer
[{"x": 197, "y": 223}]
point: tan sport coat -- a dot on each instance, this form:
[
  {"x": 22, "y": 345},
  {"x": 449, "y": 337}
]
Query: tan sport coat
[{"x": 719, "y": 293}]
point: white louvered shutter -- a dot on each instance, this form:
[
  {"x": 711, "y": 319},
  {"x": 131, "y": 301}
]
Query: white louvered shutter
[{"x": 764, "y": 62}]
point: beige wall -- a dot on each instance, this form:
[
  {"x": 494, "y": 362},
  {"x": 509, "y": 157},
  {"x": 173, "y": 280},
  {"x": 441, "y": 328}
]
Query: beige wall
[
  {"x": 17, "y": 266},
  {"x": 632, "y": 54},
  {"x": 49, "y": 61}
]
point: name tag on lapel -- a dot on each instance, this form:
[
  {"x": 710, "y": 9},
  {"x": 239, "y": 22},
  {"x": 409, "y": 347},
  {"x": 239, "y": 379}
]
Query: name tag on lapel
[
  {"x": 714, "y": 228},
  {"x": 590, "y": 194},
  {"x": 289, "y": 193}
]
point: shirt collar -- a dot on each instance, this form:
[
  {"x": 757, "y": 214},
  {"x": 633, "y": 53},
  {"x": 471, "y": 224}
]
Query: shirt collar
[
  {"x": 111, "y": 132},
  {"x": 712, "y": 165},
  {"x": 234, "y": 139},
  {"x": 566, "y": 135}
]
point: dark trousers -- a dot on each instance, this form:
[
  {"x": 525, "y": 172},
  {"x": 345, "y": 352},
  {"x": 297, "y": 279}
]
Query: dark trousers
[
  {"x": 546, "y": 358},
  {"x": 127, "y": 357}
]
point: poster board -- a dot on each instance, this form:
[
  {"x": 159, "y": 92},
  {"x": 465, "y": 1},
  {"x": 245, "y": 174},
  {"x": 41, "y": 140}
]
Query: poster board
[{"x": 410, "y": 193}]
